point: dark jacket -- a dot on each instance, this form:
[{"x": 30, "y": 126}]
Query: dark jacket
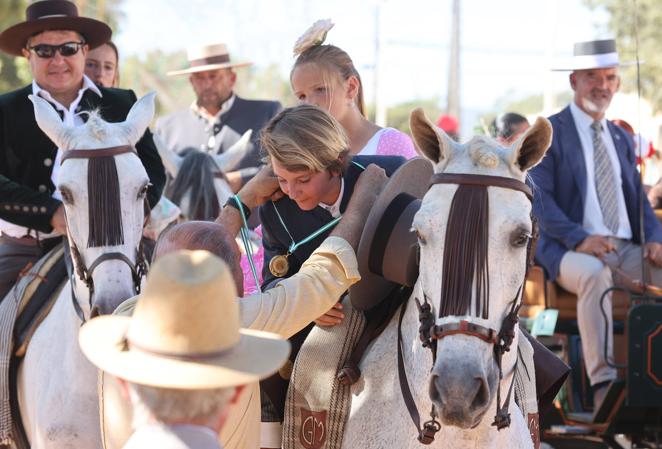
[
  {"x": 303, "y": 223},
  {"x": 186, "y": 129},
  {"x": 27, "y": 156},
  {"x": 559, "y": 184}
]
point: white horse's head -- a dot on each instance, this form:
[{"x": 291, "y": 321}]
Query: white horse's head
[
  {"x": 104, "y": 201},
  {"x": 200, "y": 187},
  {"x": 473, "y": 260}
]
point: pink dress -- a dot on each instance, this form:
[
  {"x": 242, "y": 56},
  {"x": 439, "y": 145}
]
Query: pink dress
[{"x": 389, "y": 142}]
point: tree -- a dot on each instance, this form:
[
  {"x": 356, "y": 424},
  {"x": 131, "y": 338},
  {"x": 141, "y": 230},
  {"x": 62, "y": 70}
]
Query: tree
[
  {"x": 622, "y": 25},
  {"x": 398, "y": 115},
  {"x": 13, "y": 73}
]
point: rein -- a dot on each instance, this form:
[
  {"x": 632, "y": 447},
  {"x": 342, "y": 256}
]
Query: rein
[
  {"x": 84, "y": 273},
  {"x": 430, "y": 332}
]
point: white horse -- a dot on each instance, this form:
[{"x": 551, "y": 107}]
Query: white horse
[
  {"x": 462, "y": 384},
  {"x": 104, "y": 203},
  {"x": 199, "y": 185}
]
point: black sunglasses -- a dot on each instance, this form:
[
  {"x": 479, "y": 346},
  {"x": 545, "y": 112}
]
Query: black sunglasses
[{"x": 48, "y": 51}]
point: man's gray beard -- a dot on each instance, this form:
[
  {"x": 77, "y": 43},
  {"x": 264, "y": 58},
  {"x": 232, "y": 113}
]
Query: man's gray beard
[{"x": 593, "y": 107}]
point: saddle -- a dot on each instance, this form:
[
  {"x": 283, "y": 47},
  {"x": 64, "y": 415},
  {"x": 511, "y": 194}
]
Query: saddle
[{"x": 22, "y": 310}]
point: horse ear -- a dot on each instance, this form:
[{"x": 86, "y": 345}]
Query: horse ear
[
  {"x": 48, "y": 120},
  {"x": 531, "y": 146},
  {"x": 235, "y": 153},
  {"x": 171, "y": 160},
  {"x": 431, "y": 142},
  {"x": 139, "y": 118}
]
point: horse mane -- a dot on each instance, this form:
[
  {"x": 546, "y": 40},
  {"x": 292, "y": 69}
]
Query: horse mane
[
  {"x": 465, "y": 263},
  {"x": 196, "y": 176}
]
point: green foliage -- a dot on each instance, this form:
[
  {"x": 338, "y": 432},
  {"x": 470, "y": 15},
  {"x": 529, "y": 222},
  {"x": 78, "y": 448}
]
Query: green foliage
[
  {"x": 11, "y": 75},
  {"x": 622, "y": 25},
  {"x": 398, "y": 116}
]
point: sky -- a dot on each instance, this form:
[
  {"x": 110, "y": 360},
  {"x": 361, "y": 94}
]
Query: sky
[{"x": 507, "y": 46}]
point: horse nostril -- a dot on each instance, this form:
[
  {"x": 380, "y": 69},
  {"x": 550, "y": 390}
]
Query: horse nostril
[
  {"x": 94, "y": 312},
  {"x": 482, "y": 396},
  {"x": 434, "y": 389}
]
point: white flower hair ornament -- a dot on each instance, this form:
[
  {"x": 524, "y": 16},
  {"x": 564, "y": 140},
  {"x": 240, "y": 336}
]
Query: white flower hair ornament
[{"x": 313, "y": 36}]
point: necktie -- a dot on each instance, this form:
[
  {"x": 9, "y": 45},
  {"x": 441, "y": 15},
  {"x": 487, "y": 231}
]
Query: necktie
[{"x": 605, "y": 180}]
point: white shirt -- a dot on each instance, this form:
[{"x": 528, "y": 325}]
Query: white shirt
[
  {"x": 334, "y": 209},
  {"x": 212, "y": 119},
  {"x": 593, "y": 220},
  {"x": 70, "y": 119}
]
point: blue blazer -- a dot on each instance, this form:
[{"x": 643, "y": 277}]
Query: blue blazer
[
  {"x": 303, "y": 223},
  {"x": 559, "y": 185}
]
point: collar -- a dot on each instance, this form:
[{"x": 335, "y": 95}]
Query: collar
[
  {"x": 582, "y": 119},
  {"x": 46, "y": 95},
  {"x": 225, "y": 107},
  {"x": 334, "y": 209}
]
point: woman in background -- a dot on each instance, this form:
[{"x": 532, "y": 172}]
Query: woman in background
[{"x": 102, "y": 65}]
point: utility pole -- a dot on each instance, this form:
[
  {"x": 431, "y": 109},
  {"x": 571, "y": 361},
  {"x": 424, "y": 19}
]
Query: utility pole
[
  {"x": 380, "y": 107},
  {"x": 453, "y": 97}
]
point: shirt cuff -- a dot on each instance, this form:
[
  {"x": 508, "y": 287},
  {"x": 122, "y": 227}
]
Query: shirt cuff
[{"x": 338, "y": 248}]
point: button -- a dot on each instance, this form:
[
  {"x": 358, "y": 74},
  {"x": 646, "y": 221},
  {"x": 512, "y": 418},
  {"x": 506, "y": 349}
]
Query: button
[
  {"x": 48, "y": 162},
  {"x": 26, "y": 209},
  {"x": 42, "y": 188},
  {"x": 17, "y": 207},
  {"x": 7, "y": 207},
  {"x": 35, "y": 209},
  {"x": 42, "y": 209}
]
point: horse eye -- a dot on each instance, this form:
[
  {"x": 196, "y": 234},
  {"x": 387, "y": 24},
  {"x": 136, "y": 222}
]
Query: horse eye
[
  {"x": 142, "y": 193},
  {"x": 520, "y": 238},
  {"x": 419, "y": 236},
  {"x": 67, "y": 197}
]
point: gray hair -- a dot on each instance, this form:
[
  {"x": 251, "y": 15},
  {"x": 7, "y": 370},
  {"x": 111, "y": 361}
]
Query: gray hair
[{"x": 175, "y": 405}]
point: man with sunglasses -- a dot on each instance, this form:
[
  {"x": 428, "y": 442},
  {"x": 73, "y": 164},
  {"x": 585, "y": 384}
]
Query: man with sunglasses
[{"x": 55, "y": 41}]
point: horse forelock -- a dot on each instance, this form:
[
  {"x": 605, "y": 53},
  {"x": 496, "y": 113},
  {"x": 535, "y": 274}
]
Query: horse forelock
[{"x": 104, "y": 204}]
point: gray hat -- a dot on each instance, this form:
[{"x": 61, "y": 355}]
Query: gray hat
[{"x": 600, "y": 54}]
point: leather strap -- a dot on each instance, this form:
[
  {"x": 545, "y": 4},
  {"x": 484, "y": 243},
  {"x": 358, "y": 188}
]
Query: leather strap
[
  {"x": 464, "y": 327},
  {"x": 426, "y": 432},
  {"x": 99, "y": 152},
  {"x": 482, "y": 180}
]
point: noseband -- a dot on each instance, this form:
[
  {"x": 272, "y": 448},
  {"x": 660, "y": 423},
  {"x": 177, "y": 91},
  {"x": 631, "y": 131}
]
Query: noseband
[
  {"x": 84, "y": 273},
  {"x": 430, "y": 332}
]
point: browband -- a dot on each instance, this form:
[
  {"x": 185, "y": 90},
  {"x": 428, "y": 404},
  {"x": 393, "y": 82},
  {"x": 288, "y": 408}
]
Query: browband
[
  {"x": 99, "y": 152},
  {"x": 482, "y": 180}
]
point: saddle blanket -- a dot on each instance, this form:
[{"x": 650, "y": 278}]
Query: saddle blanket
[{"x": 22, "y": 310}]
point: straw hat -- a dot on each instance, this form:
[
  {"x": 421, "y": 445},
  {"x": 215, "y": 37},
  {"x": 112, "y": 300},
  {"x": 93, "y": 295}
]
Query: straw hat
[
  {"x": 388, "y": 249},
  {"x": 184, "y": 332},
  {"x": 208, "y": 57},
  {"x": 53, "y": 15},
  {"x": 600, "y": 54}
]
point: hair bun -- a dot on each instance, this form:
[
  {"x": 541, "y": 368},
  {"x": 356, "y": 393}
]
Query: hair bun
[{"x": 313, "y": 36}]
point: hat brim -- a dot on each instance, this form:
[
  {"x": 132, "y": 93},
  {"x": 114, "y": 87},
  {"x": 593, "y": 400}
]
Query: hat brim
[
  {"x": 412, "y": 178},
  {"x": 204, "y": 68},
  {"x": 13, "y": 39},
  {"x": 256, "y": 356}
]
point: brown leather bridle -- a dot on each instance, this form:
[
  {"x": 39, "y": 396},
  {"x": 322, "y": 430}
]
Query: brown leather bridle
[
  {"x": 84, "y": 273},
  {"x": 430, "y": 332}
]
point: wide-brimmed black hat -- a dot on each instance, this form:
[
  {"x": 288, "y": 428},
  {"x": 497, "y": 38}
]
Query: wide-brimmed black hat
[
  {"x": 53, "y": 15},
  {"x": 388, "y": 249}
]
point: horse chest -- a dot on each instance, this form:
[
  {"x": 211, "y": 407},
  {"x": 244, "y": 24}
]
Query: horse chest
[{"x": 57, "y": 385}]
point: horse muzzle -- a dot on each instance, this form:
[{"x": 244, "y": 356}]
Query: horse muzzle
[{"x": 462, "y": 392}]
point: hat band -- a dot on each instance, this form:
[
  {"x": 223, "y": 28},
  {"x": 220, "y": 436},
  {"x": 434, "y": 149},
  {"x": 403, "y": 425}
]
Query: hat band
[
  {"x": 219, "y": 59},
  {"x": 595, "y": 61},
  {"x": 190, "y": 357},
  {"x": 384, "y": 230}
]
